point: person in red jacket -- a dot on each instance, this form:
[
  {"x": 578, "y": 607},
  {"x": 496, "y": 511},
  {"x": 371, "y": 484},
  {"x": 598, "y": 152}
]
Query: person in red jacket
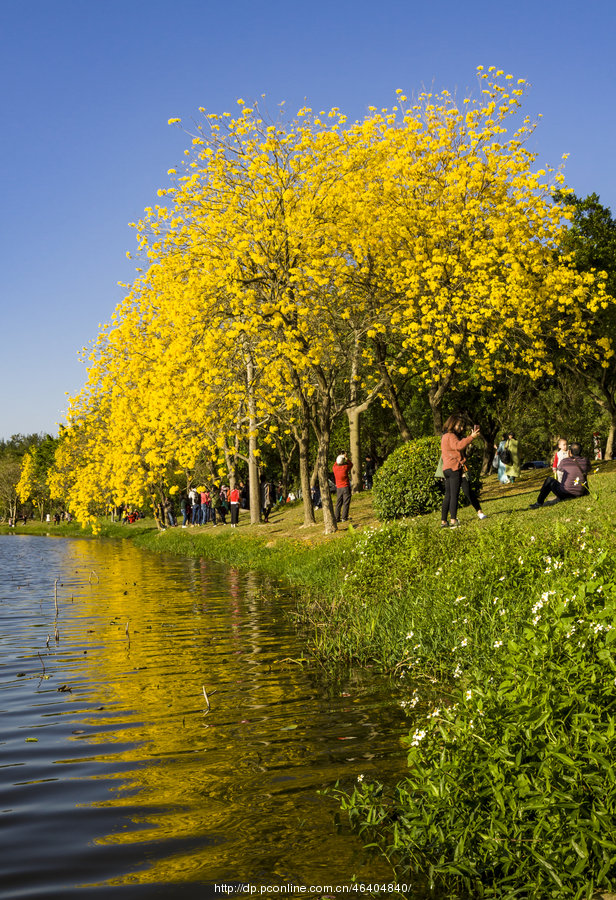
[
  {"x": 234, "y": 502},
  {"x": 342, "y": 468},
  {"x": 453, "y": 447}
]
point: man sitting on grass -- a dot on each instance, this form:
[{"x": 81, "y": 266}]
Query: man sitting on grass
[{"x": 574, "y": 470}]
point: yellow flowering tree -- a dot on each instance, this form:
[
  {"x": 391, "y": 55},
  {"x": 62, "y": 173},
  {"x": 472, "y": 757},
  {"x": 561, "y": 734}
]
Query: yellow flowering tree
[
  {"x": 456, "y": 237},
  {"x": 297, "y": 272}
]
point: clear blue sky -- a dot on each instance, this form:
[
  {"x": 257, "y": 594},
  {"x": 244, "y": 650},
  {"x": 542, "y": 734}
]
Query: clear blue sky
[{"x": 88, "y": 87}]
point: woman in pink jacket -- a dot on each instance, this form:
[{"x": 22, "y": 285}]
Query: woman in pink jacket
[{"x": 453, "y": 447}]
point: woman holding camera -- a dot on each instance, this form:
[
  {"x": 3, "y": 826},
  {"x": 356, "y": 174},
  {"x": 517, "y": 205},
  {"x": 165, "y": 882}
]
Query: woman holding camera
[{"x": 453, "y": 447}]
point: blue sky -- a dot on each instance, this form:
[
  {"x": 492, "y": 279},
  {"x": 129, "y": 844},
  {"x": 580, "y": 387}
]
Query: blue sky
[{"x": 88, "y": 87}]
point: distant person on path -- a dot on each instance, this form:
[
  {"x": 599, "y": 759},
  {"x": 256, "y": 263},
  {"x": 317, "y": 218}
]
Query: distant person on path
[
  {"x": 512, "y": 468},
  {"x": 217, "y": 506},
  {"x": 369, "y": 470},
  {"x": 574, "y": 469},
  {"x": 223, "y": 509},
  {"x": 316, "y": 496},
  {"x": 196, "y": 508},
  {"x": 342, "y": 469},
  {"x": 169, "y": 511},
  {"x": 453, "y": 447},
  {"x": 184, "y": 508},
  {"x": 268, "y": 498},
  {"x": 508, "y": 465}
]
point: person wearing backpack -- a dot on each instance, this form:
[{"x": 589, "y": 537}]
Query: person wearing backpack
[
  {"x": 508, "y": 464},
  {"x": 574, "y": 469},
  {"x": 512, "y": 459}
]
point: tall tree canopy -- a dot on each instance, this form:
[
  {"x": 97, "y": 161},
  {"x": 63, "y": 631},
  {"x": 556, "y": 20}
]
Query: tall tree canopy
[{"x": 301, "y": 270}]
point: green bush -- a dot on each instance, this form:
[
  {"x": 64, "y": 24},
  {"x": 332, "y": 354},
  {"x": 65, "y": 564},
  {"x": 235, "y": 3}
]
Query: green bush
[{"x": 405, "y": 485}]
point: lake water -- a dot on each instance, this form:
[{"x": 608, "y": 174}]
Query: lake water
[{"x": 116, "y": 782}]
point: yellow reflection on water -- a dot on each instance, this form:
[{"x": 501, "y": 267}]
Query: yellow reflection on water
[{"x": 225, "y": 794}]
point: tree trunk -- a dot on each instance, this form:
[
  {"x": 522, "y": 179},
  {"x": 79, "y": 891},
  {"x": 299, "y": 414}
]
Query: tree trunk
[
  {"x": 488, "y": 451},
  {"x": 610, "y": 406},
  {"x": 254, "y": 487},
  {"x": 324, "y": 435},
  {"x": 304, "y": 477},
  {"x": 609, "y": 447},
  {"x": 285, "y": 460},
  {"x": 435, "y": 398},
  {"x": 302, "y": 437},
  {"x": 156, "y": 511},
  {"x": 230, "y": 464},
  {"x": 353, "y": 415},
  {"x": 315, "y": 473},
  {"x": 391, "y": 393}
]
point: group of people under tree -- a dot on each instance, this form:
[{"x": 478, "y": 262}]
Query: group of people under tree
[
  {"x": 568, "y": 481},
  {"x": 211, "y": 505},
  {"x": 200, "y": 506}
]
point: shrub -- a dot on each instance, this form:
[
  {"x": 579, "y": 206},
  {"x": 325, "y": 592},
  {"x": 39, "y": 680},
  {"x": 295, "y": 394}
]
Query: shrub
[
  {"x": 511, "y": 788},
  {"x": 405, "y": 485}
]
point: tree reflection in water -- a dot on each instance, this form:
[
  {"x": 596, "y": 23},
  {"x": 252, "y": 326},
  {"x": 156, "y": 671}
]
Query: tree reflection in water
[{"x": 202, "y": 798}]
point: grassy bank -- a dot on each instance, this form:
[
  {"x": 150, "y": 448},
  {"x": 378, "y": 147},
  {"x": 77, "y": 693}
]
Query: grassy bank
[
  {"x": 511, "y": 787},
  {"x": 368, "y": 587}
]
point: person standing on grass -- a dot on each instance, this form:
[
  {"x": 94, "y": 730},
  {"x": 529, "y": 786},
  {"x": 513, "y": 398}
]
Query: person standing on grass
[
  {"x": 512, "y": 469},
  {"x": 196, "y": 509},
  {"x": 234, "y": 504},
  {"x": 574, "y": 470},
  {"x": 501, "y": 451},
  {"x": 184, "y": 507},
  {"x": 268, "y": 498},
  {"x": 453, "y": 447},
  {"x": 342, "y": 469},
  {"x": 217, "y": 506}
]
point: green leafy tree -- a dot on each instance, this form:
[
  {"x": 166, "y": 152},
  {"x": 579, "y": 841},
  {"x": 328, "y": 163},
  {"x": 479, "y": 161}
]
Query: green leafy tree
[
  {"x": 592, "y": 242},
  {"x": 35, "y": 470}
]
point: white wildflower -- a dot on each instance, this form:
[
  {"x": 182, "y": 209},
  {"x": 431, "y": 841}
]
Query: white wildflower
[{"x": 418, "y": 736}]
